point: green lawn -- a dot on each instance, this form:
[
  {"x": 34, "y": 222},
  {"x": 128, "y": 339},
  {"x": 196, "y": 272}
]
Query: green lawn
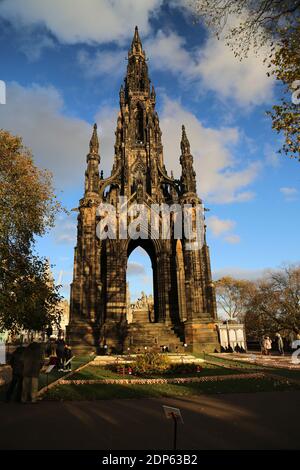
[
  {"x": 220, "y": 367},
  {"x": 107, "y": 391},
  {"x": 244, "y": 366},
  {"x": 55, "y": 374},
  {"x": 96, "y": 372}
]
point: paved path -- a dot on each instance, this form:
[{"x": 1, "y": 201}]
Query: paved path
[
  {"x": 267, "y": 420},
  {"x": 273, "y": 360}
]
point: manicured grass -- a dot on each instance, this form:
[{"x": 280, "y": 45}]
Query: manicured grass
[
  {"x": 96, "y": 372},
  {"x": 55, "y": 374},
  {"x": 233, "y": 363},
  {"x": 244, "y": 366},
  {"x": 107, "y": 391}
]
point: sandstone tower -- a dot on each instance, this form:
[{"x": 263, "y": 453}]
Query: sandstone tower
[{"x": 184, "y": 309}]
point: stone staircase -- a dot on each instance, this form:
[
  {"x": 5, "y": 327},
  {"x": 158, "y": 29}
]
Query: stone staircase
[{"x": 152, "y": 336}]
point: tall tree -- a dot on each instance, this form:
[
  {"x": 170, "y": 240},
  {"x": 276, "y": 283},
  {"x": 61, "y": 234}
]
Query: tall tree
[
  {"x": 275, "y": 304},
  {"x": 232, "y": 297},
  {"x": 271, "y": 25},
  {"x": 27, "y": 209}
]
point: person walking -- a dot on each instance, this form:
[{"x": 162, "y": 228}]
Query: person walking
[
  {"x": 268, "y": 345},
  {"x": 15, "y": 386},
  {"x": 279, "y": 342},
  {"x": 33, "y": 362},
  {"x": 60, "y": 346},
  {"x": 67, "y": 358}
]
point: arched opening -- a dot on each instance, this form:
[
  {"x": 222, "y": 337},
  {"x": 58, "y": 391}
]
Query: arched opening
[{"x": 140, "y": 283}]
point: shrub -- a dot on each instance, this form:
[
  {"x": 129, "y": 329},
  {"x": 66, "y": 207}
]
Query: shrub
[{"x": 150, "y": 363}]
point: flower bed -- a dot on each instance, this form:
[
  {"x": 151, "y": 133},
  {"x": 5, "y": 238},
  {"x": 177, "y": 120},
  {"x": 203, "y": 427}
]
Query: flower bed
[{"x": 177, "y": 380}]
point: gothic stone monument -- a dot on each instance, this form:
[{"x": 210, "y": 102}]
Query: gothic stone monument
[{"x": 184, "y": 310}]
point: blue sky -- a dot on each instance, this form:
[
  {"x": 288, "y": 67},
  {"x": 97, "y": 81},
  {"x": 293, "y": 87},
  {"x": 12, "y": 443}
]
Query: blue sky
[{"x": 63, "y": 63}]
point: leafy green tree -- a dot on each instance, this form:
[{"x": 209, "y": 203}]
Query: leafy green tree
[
  {"x": 232, "y": 296},
  {"x": 27, "y": 209},
  {"x": 28, "y": 298}
]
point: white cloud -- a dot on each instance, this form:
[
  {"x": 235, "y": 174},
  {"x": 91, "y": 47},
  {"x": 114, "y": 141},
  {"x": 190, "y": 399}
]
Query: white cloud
[
  {"x": 240, "y": 273},
  {"x": 244, "y": 82},
  {"x": 102, "y": 62},
  {"x": 233, "y": 239},
  {"x": 64, "y": 231},
  {"x": 167, "y": 52},
  {"x": 219, "y": 226},
  {"x": 290, "y": 193},
  {"x": 212, "y": 67},
  {"x": 32, "y": 43},
  {"x": 77, "y": 21},
  {"x": 134, "y": 269},
  {"x": 58, "y": 142},
  {"x": 107, "y": 121},
  {"x": 271, "y": 156},
  {"x": 220, "y": 176}
]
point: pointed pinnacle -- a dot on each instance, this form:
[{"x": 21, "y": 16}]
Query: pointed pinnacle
[
  {"x": 136, "y": 44},
  {"x": 94, "y": 142},
  {"x": 185, "y": 144}
]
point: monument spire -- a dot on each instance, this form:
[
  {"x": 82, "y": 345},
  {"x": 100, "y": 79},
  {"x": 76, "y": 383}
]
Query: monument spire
[
  {"x": 136, "y": 45},
  {"x": 188, "y": 176},
  {"x": 137, "y": 79},
  {"x": 93, "y": 160}
]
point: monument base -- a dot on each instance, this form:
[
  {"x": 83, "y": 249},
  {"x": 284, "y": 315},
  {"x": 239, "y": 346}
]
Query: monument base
[
  {"x": 201, "y": 336},
  {"x": 83, "y": 336}
]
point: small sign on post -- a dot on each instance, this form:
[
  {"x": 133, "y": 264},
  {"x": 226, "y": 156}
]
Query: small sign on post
[
  {"x": 175, "y": 414},
  {"x": 47, "y": 372},
  {"x": 49, "y": 369}
]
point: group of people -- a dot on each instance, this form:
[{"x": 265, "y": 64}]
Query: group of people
[
  {"x": 27, "y": 362},
  {"x": 266, "y": 345}
]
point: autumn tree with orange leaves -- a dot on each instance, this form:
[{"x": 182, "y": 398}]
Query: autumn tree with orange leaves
[{"x": 28, "y": 298}]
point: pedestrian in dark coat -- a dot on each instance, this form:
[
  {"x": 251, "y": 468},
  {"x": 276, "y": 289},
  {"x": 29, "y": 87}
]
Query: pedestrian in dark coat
[
  {"x": 279, "y": 342},
  {"x": 15, "y": 386},
  {"x": 33, "y": 362},
  {"x": 60, "y": 347},
  {"x": 67, "y": 357}
]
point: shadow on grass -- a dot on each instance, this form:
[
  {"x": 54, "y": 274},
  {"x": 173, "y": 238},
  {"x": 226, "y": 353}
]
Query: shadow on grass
[{"x": 109, "y": 391}]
